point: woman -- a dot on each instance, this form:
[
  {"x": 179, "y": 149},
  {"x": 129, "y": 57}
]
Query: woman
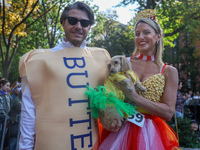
[
  {"x": 5, "y": 98},
  {"x": 157, "y": 104},
  {"x": 5, "y": 101}
]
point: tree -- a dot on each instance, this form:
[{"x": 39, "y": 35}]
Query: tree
[
  {"x": 178, "y": 18},
  {"x": 44, "y": 33},
  {"x": 190, "y": 66},
  {"x": 17, "y": 16},
  {"x": 52, "y": 23},
  {"x": 111, "y": 34},
  {"x": 173, "y": 15},
  {"x": 143, "y": 4},
  {"x": 38, "y": 37},
  {"x": 35, "y": 39}
]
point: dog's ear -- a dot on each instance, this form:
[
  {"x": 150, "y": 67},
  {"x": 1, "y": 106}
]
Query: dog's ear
[
  {"x": 125, "y": 64},
  {"x": 109, "y": 65}
]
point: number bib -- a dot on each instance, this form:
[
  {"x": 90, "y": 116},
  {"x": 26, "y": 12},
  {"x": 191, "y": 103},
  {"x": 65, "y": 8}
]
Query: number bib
[{"x": 137, "y": 119}]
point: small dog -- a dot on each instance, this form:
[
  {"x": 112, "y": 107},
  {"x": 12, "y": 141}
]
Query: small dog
[
  {"x": 119, "y": 63},
  {"x": 110, "y": 117}
]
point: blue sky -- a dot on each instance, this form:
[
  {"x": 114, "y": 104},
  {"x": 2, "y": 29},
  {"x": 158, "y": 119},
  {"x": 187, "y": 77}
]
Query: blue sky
[{"x": 125, "y": 14}]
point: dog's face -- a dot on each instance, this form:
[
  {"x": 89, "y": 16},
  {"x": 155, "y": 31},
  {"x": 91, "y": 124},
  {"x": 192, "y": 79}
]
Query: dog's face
[{"x": 119, "y": 63}]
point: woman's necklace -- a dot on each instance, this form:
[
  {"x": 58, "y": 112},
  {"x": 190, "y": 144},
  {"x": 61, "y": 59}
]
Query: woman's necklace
[{"x": 147, "y": 58}]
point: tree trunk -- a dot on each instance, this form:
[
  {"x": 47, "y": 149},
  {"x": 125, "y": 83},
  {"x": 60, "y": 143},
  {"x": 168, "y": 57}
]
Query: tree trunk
[{"x": 5, "y": 71}]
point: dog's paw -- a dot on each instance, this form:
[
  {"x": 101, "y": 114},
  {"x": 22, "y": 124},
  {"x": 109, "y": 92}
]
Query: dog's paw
[
  {"x": 140, "y": 87},
  {"x": 127, "y": 84},
  {"x": 143, "y": 89}
]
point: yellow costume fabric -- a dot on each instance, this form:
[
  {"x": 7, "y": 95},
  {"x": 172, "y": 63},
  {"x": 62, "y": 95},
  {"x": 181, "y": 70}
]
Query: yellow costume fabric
[
  {"x": 57, "y": 82},
  {"x": 111, "y": 86},
  {"x": 154, "y": 89}
]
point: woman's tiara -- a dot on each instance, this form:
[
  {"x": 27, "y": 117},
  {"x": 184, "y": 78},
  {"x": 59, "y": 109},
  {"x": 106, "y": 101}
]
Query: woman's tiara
[{"x": 146, "y": 13}]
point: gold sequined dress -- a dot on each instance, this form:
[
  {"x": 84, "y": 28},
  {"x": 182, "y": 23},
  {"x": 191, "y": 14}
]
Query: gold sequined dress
[{"x": 155, "y": 134}]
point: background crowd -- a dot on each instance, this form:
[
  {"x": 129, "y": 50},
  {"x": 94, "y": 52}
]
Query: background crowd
[
  {"x": 187, "y": 104},
  {"x": 10, "y": 111},
  {"x": 10, "y": 107}
]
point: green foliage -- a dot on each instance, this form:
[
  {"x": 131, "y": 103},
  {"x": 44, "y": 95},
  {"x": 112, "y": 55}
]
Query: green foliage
[
  {"x": 110, "y": 34},
  {"x": 143, "y": 4},
  {"x": 184, "y": 58},
  {"x": 16, "y": 23},
  {"x": 14, "y": 73},
  {"x": 173, "y": 15},
  {"x": 51, "y": 22},
  {"x": 190, "y": 64},
  {"x": 35, "y": 39},
  {"x": 187, "y": 138},
  {"x": 44, "y": 33}
]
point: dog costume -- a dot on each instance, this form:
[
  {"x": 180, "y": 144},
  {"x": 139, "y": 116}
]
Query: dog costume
[{"x": 110, "y": 94}]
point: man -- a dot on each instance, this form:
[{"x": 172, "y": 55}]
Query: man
[{"x": 55, "y": 113}]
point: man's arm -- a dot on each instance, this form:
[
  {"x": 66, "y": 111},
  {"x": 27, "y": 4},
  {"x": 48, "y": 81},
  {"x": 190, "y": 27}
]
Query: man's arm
[{"x": 27, "y": 122}]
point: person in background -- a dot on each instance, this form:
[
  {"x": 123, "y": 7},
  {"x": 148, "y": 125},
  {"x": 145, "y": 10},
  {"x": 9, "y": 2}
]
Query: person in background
[
  {"x": 55, "y": 112},
  {"x": 190, "y": 94},
  {"x": 196, "y": 96},
  {"x": 156, "y": 105},
  {"x": 16, "y": 88},
  {"x": 13, "y": 126},
  {"x": 179, "y": 102},
  {"x": 197, "y": 93},
  {"x": 5, "y": 103},
  {"x": 2, "y": 78},
  {"x": 187, "y": 98},
  {"x": 195, "y": 127},
  {"x": 5, "y": 98},
  {"x": 188, "y": 114}
]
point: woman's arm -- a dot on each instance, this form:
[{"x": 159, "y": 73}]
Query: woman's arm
[{"x": 164, "y": 110}]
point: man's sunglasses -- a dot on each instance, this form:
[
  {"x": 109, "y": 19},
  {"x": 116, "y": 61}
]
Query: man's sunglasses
[{"x": 74, "y": 21}]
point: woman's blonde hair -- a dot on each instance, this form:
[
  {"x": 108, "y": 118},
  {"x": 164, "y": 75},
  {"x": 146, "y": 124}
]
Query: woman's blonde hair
[{"x": 159, "y": 46}]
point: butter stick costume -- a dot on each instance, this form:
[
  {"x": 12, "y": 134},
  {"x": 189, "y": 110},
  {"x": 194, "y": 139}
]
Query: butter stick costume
[{"x": 63, "y": 116}]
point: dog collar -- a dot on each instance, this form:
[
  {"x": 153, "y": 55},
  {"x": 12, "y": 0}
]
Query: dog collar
[{"x": 147, "y": 58}]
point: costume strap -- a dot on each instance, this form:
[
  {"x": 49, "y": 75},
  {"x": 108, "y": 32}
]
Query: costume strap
[
  {"x": 176, "y": 126},
  {"x": 163, "y": 68}
]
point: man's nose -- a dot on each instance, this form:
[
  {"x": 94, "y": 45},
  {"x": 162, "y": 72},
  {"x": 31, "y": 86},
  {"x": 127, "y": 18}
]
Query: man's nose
[{"x": 78, "y": 25}]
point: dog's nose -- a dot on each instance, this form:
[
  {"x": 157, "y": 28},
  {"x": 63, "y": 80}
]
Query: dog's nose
[{"x": 112, "y": 71}]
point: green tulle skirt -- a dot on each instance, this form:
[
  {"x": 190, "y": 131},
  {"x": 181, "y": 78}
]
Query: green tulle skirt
[{"x": 99, "y": 100}]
